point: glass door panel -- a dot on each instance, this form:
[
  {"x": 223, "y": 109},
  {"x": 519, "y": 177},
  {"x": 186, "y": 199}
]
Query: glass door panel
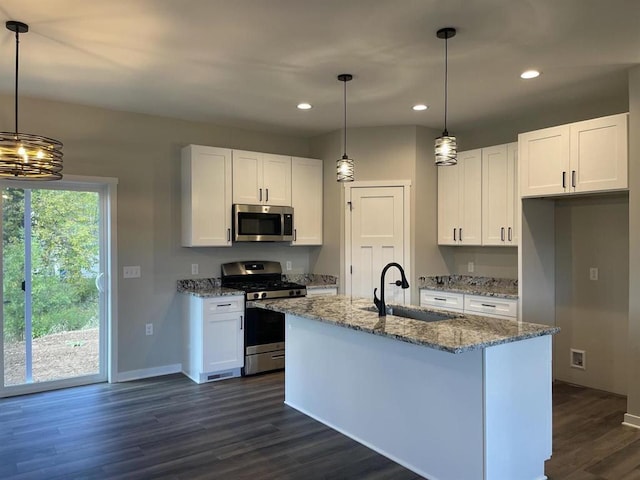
[{"x": 53, "y": 329}]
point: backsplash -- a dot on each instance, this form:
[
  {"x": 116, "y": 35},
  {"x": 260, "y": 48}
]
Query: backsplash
[{"x": 311, "y": 279}]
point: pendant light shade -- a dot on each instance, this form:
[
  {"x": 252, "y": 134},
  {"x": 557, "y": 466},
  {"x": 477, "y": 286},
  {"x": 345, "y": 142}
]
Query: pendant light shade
[
  {"x": 24, "y": 156},
  {"x": 446, "y": 148},
  {"x": 344, "y": 166}
]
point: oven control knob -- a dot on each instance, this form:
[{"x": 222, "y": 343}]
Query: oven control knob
[
  {"x": 297, "y": 292},
  {"x": 291, "y": 293},
  {"x": 256, "y": 295},
  {"x": 264, "y": 294}
]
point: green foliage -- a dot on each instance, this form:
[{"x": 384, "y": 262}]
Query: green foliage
[{"x": 65, "y": 255}]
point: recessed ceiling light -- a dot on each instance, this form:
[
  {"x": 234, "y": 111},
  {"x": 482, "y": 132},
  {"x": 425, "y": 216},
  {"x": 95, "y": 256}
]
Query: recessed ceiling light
[
  {"x": 420, "y": 107},
  {"x": 530, "y": 74},
  {"x": 305, "y": 106}
]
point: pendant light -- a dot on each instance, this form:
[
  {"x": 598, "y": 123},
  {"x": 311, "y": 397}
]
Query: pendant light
[
  {"x": 344, "y": 165},
  {"x": 446, "y": 149},
  {"x": 24, "y": 156}
]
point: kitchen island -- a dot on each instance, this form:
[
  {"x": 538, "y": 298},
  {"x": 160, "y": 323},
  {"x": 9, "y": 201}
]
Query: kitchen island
[{"x": 467, "y": 397}]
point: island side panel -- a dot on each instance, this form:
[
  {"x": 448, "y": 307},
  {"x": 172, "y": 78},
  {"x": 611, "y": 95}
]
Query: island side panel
[
  {"x": 518, "y": 408},
  {"x": 421, "y": 407}
]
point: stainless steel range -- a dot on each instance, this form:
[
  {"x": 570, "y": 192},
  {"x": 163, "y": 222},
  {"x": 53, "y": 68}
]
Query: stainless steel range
[{"x": 264, "y": 329}]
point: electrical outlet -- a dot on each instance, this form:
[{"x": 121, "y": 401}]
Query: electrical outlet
[
  {"x": 593, "y": 273},
  {"x": 194, "y": 269},
  {"x": 288, "y": 265},
  {"x": 148, "y": 329},
  {"x": 471, "y": 267},
  {"x": 131, "y": 272}
]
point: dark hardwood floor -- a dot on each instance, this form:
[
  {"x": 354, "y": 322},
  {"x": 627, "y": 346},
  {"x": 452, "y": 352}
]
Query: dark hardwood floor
[{"x": 169, "y": 427}]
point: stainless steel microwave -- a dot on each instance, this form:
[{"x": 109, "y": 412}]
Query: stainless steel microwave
[{"x": 262, "y": 223}]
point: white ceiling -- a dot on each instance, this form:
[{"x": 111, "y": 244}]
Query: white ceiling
[{"x": 247, "y": 63}]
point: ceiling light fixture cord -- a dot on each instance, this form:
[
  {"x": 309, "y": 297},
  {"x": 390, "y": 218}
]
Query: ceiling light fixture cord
[
  {"x": 345, "y": 117},
  {"x": 17, "y": 64},
  {"x": 446, "y": 77}
]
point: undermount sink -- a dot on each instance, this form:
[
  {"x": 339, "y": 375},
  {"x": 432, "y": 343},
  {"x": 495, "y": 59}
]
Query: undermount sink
[{"x": 414, "y": 313}]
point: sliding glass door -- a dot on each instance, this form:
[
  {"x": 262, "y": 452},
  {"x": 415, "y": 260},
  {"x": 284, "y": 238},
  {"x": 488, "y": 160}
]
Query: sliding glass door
[{"x": 54, "y": 324}]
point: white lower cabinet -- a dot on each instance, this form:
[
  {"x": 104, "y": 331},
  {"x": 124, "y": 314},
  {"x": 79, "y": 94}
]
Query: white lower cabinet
[
  {"x": 449, "y": 301},
  {"x": 213, "y": 337},
  {"x": 487, "y": 306},
  {"x": 317, "y": 292}
]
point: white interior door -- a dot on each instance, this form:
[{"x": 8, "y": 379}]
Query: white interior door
[{"x": 376, "y": 222}]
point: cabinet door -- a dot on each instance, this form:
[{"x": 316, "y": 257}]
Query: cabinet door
[
  {"x": 206, "y": 196},
  {"x": 276, "y": 180},
  {"x": 247, "y": 177},
  {"x": 499, "y": 195},
  {"x": 448, "y": 204},
  {"x": 306, "y": 200},
  {"x": 470, "y": 193},
  {"x": 223, "y": 341},
  {"x": 513, "y": 204},
  {"x": 599, "y": 154},
  {"x": 544, "y": 161}
]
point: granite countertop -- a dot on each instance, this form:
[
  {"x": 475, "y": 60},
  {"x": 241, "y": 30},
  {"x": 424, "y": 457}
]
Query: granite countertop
[
  {"x": 487, "y": 286},
  {"x": 313, "y": 280},
  {"x": 206, "y": 287},
  {"x": 460, "y": 333}
]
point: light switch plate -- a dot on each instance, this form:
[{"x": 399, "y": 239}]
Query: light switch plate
[
  {"x": 131, "y": 271},
  {"x": 593, "y": 273},
  {"x": 194, "y": 269},
  {"x": 471, "y": 267}
]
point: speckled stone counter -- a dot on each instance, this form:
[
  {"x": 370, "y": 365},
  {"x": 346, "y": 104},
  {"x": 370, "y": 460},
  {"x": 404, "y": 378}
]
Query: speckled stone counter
[
  {"x": 313, "y": 280},
  {"x": 460, "y": 333},
  {"x": 206, "y": 287},
  {"x": 488, "y": 286}
]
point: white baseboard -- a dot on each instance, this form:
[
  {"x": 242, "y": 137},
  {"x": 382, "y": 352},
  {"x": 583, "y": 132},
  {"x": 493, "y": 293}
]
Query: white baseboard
[
  {"x": 631, "y": 420},
  {"x": 148, "y": 372}
]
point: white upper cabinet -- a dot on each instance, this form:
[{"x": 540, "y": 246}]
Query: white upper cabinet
[
  {"x": 581, "y": 157},
  {"x": 499, "y": 195},
  {"x": 306, "y": 199},
  {"x": 261, "y": 178},
  {"x": 206, "y": 196},
  {"x": 460, "y": 201}
]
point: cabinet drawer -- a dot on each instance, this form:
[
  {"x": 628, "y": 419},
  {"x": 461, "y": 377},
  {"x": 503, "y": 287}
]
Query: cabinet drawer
[
  {"x": 224, "y": 304},
  {"x": 316, "y": 292},
  {"x": 491, "y": 306},
  {"x": 442, "y": 300}
]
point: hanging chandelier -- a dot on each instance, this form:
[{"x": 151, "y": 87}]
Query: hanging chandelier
[
  {"x": 344, "y": 165},
  {"x": 446, "y": 148},
  {"x": 25, "y": 156}
]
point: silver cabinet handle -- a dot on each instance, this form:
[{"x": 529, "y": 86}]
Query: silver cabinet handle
[
  {"x": 267, "y": 190},
  {"x": 228, "y": 234},
  {"x": 440, "y": 299},
  {"x": 223, "y": 305},
  {"x": 573, "y": 178},
  {"x": 241, "y": 321},
  {"x": 460, "y": 234},
  {"x": 295, "y": 234},
  {"x": 502, "y": 234},
  {"x": 564, "y": 182},
  {"x": 454, "y": 234},
  {"x": 509, "y": 235},
  {"x": 488, "y": 305},
  {"x": 260, "y": 195},
  {"x": 275, "y": 357}
]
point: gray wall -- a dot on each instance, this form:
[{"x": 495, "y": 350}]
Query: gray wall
[
  {"x": 593, "y": 315},
  {"x": 633, "y": 382},
  {"x": 382, "y": 153},
  {"x": 143, "y": 153}
]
